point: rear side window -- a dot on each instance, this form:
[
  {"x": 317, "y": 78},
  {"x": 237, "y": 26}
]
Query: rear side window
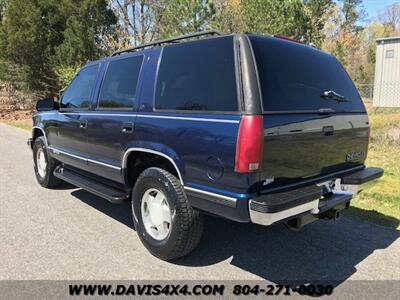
[
  {"x": 294, "y": 76},
  {"x": 119, "y": 85},
  {"x": 77, "y": 95},
  {"x": 198, "y": 76}
]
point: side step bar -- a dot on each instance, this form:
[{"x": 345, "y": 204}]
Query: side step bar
[
  {"x": 363, "y": 176},
  {"x": 99, "y": 189}
]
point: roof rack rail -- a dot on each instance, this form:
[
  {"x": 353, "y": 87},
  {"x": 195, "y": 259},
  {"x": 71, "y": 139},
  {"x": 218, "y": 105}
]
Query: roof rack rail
[{"x": 170, "y": 40}]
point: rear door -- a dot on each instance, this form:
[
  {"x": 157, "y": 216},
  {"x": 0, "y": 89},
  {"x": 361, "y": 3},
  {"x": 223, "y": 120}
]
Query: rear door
[
  {"x": 111, "y": 124},
  {"x": 306, "y": 132},
  {"x": 69, "y": 142}
]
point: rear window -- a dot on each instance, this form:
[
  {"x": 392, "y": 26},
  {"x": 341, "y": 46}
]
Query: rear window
[
  {"x": 198, "y": 76},
  {"x": 294, "y": 76}
]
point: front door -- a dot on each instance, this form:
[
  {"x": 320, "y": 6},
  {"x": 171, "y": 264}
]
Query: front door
[
  {"x": 110, "y": 126},
  {"x": 70, "y": 144}
]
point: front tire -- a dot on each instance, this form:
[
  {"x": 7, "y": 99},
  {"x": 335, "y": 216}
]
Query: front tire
[
  {"x": 166, "y": 223},
  {"x": 44, "y": 165}
]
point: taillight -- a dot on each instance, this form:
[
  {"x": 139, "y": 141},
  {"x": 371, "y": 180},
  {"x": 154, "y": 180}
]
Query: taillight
[{"x": 249, "y": 146}]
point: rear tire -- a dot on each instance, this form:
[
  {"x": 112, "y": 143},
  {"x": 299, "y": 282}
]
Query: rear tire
[
  {"x": 44, "y": 165},
  {"x": 157, "y": 190}
]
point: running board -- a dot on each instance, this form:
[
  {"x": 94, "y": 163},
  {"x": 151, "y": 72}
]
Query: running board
[{"x": 92, "y": 186}]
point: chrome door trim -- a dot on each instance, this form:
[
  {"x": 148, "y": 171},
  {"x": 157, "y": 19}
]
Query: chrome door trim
[
  {"x": 58, "y": 151},
  {"x": 149, "y": 116}
]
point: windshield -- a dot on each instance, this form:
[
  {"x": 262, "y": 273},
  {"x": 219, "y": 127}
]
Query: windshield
[{"x": 295, "y": 77}]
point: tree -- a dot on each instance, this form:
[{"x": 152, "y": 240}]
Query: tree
[
  {"x": 24, "y": 44},
  {"x": 339, "y": 52},
  {"x": 227, "y": 16},
  {"x": 301, "y": 19},
  {"x": 317, "y": 12},
  {"x": 145, "y": 20},
  {"x": 83, "y": 37},
  {"x": 39, "y": 37},
  {"x": 135, "y": 22},
  {"x": 352, "y": 13},
  {"x": 183, "y": 16},
  {"x": 274, "y": 17},
  {"x": 3, "y": 4},
  {"x": 344, "y": 36},
  {"x": 390, "y": 16}
]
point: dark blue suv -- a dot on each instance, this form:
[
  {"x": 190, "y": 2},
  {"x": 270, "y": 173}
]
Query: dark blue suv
[{"x": 252, "y": 128}]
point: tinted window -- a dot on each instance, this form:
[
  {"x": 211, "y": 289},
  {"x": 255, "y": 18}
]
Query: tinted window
[
  {"x": 119, "y": 85},
  {"x": 294, "y": 76},
  {"x": 198, "y": 76},
  {"x": 77, "y": 95}
]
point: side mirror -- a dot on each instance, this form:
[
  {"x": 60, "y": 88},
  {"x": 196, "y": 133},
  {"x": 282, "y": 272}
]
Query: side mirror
[{"x": 46, "y": 104}]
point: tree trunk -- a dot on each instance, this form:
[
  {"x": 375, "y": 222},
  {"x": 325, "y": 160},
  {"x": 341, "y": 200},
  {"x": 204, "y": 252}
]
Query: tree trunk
[{"x": 141, "y": 20}]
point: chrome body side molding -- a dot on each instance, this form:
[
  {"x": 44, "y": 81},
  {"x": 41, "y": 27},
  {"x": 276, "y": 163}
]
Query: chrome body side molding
[
  {"x": 220, "y": 199},
  {"x": 58, "y": 151}
]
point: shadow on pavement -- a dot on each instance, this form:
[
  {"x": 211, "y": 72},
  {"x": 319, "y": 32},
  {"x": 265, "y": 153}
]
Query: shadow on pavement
[
  {"x": 372, "y": 216},
  {"x": 64, "y": 186},
  {"x": 321, "y": 251},
  {"x": 119, "y": 212}
]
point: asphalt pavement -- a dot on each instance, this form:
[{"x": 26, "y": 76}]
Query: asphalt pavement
[{"x": 68, "y": 233}]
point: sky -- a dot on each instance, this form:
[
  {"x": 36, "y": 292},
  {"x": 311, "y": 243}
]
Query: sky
[{"x": 372, "y": 7}]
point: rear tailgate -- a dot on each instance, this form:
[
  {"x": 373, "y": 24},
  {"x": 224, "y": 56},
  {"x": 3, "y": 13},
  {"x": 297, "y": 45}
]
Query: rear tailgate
[{"x": 306, "y": 135}]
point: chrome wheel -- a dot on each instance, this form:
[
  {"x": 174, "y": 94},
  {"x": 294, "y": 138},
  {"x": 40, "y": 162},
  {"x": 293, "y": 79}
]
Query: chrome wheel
[
  {"x": 41, "y": 162},
  {"x": 156, "y": 214}
]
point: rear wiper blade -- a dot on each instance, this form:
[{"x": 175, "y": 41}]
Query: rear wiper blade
[{"x": 334, "y": 96}]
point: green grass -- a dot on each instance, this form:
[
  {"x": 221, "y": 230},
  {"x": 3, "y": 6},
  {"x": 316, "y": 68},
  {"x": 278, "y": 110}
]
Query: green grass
[
  {"x": 380, "y": 202},
  {"x": 20, "y": 124}
]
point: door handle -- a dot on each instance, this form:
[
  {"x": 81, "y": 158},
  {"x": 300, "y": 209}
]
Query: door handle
[
  {"x": 83, "y": 124},
  {"x": 127, "y": 128}
]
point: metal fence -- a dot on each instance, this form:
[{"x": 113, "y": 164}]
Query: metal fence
[{"x": 387, "y": 94}]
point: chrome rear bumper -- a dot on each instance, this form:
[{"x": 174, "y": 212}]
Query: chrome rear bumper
[{"x": 316, "y": 200}]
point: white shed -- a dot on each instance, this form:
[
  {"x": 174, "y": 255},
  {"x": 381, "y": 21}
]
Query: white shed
[{"x": 387, "y": 72}]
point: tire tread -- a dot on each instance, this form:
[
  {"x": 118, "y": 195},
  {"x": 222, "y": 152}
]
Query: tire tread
[
  {"x": 191, "y": 220},
  {"x": 50, "y": 180}
]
